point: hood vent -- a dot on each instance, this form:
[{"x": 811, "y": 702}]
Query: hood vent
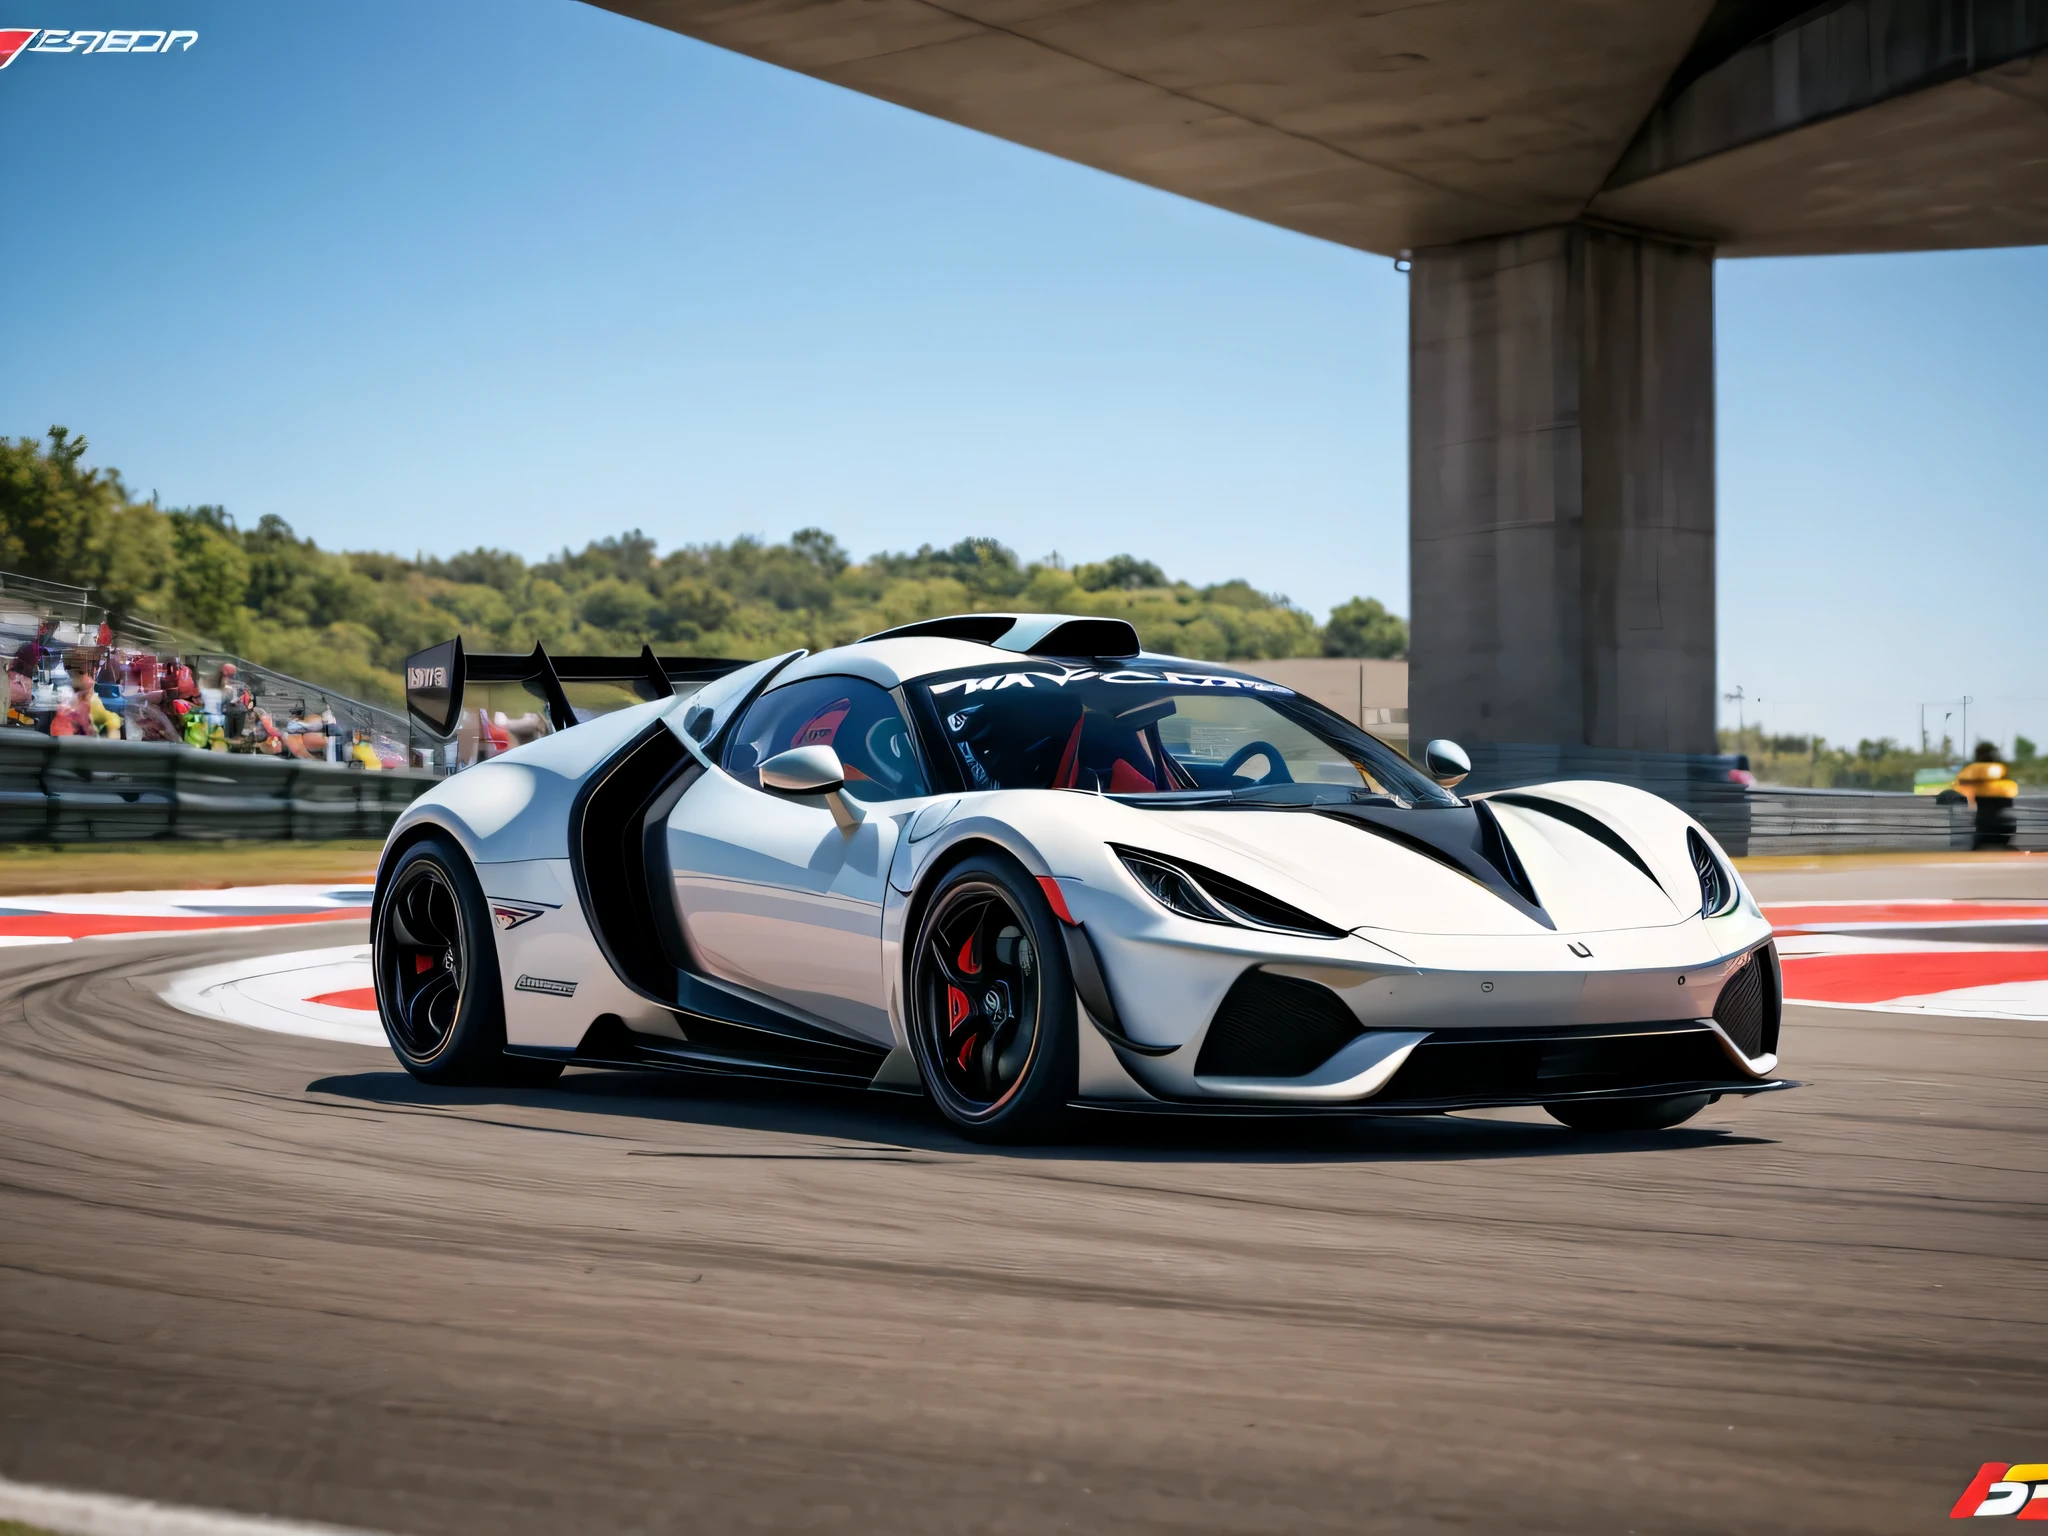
[
  {"x": 1581, "y": 821},
  {"x": 1467, "y": 838},
  {"x": 1495, "y": 848}
]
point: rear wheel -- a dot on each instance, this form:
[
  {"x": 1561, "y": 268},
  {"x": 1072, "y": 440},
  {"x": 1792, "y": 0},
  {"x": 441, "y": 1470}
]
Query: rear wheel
[
  {"x": 436, "y": 966},
  {"x": 1630, "y": 1114},
  {"x": 992, "y": 1004}
]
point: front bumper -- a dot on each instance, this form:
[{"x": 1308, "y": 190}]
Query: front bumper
[{"x": 1482, "y": 1022}]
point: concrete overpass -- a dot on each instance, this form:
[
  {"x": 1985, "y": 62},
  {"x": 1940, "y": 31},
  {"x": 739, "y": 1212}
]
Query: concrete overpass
[{"x": 1562, "y": 174}]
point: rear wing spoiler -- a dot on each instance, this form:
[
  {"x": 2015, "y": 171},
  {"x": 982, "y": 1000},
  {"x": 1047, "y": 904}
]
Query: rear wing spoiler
[{"x": 434, "y": 678}]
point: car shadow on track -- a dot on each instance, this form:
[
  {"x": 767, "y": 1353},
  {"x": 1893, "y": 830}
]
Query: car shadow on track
[{"x": 893, "y": 1126}]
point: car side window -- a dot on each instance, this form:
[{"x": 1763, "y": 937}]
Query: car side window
[{"x": 854, "y": 717}]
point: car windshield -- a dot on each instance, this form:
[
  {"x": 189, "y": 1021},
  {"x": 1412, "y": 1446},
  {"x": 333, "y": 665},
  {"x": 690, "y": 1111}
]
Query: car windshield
[{"x": 1156, "y": 729}]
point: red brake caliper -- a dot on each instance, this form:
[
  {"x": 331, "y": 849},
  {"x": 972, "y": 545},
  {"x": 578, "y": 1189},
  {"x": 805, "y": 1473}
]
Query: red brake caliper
[
  {"x": 421, "y": 964},
  {"x": 957, "y": 1009}
]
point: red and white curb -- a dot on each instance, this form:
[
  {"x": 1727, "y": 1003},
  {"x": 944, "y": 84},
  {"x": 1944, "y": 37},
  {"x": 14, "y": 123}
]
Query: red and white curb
[
  {"x": 323, "y": 994},
  {"x": 1963, "y": 959},
  {"x": 104, "y": 1514},
  {"x": 154, "y": 914},
  {"x": 1968, "y": 959}
]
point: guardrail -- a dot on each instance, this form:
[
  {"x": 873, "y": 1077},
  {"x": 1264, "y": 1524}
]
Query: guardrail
[
  {"x": 1875, "y": 821},
  {"x": 80, "y": 789}
]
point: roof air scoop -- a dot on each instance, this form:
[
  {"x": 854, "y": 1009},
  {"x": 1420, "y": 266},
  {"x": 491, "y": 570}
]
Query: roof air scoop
[
  {"x": 1087, "y": 637},
  {"x": 982, "y": 628},
  {"x": 1029, "y": 634}
]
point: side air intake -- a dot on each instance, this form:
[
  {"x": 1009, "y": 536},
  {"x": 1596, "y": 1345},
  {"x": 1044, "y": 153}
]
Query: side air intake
[
  {"x": 1275, "y": 1026},
  {"x": 1751, "y": 1005}
]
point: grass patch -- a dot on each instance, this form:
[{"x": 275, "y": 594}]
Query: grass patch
[
  {"x": 16, "y": 1528},
  {"x": 28, "y": 869}
]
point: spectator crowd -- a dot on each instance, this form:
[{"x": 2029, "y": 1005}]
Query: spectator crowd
[{"x": 104, "y": 690}]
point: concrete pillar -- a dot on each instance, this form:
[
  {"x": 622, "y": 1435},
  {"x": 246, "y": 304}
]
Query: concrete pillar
[{"x": 1561, "y": 491}]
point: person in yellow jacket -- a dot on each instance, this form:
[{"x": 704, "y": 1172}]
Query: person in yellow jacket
[
  {"x": 1990, "y": 790},
  {"x": 191, "y": 724},
  {"x": 105, "y": 722},
  {"x": 363, "y": 755}
]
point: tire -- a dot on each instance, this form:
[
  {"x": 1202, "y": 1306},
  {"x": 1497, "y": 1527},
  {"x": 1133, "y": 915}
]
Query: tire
[
  {"x": 991, "y": 1004},
  {"x": 1630, "y": 1114},
  {"x": 435, "y": 958}
]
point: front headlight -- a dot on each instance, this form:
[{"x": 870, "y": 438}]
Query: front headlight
[
  {"x": 1719, "y": 891},
  {"x": 1190, "y": 891},
  {"x": 1171, "y": 888}
]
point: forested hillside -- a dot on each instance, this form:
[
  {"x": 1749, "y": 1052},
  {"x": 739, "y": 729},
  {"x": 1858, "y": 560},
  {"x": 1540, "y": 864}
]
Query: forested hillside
[{"x": 349, "y": 618}]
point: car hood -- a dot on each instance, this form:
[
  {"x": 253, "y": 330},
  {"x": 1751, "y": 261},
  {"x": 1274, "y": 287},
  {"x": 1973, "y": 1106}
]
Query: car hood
[{"x": 1427, "y": 871}]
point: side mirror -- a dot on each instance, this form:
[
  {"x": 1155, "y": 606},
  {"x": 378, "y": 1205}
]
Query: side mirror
[
  {"x": 812, "y": 771},
  {"x": 1446, "y": 762}
]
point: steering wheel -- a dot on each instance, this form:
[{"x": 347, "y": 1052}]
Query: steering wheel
[{"x": 1277, "y": 774}]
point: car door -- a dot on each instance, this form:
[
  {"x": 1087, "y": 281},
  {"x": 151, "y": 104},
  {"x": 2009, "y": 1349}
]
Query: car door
[{"x": 771, "y": 893}]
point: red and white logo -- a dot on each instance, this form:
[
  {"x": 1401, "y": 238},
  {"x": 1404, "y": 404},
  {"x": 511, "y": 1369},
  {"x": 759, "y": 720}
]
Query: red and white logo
[
  {"x": 17, "y": 40},
  {"x": 2020, "y": 1490}
]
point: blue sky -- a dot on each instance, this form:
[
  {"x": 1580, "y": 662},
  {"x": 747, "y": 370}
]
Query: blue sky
[{"x": 422, "y": 276}]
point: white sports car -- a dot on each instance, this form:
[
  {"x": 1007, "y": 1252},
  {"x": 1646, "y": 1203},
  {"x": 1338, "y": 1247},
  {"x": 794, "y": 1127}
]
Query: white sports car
[{"x": 1016, "y": 863}]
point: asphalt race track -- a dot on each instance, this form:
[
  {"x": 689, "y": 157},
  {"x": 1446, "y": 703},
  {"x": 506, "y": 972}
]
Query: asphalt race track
[{"x": 271, "y": 1274}]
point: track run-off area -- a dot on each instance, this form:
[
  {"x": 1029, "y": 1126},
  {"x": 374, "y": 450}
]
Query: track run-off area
[{"x": 259, "y": 1269}]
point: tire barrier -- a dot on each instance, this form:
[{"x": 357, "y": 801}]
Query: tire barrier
[{"x": 81, "y": 789}]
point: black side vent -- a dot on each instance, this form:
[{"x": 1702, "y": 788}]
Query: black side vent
[
  {"x": 1774, "y": 994},
  {"x": 1749, "y": 1006},
  {"x": 1275, "y": 1026},
  {"x": 1717, "y": 886},
  {"x": 609, "y": 853}
]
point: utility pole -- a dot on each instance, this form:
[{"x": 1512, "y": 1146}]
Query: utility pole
[{"x": 1737, "y": 698}]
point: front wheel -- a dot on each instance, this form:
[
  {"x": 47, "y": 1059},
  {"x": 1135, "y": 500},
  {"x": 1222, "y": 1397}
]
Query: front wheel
[
  {"x": 1629, "y": 1114},
  {"x": 992, "y": 1017},
  {"x": 436, "y": 965}
]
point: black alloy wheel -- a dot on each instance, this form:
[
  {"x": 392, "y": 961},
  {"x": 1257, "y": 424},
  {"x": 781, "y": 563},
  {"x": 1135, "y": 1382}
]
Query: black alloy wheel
[
  {"x": 436, "y": 967},
  {"x": 993, "y": 1003},
  {"x": 1629, "y": 1114},
  {"x": 420, "y": 961}
]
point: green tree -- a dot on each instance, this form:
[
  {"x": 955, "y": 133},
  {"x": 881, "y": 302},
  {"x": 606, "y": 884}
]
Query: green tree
[
  {"x": 348, "y": 619},
  {"x": 56, "y": 515},
  {"x": 211, "y": 577},
  {"x": 1119, "y": 573},
  {"x": 1363, "y": 627}
]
